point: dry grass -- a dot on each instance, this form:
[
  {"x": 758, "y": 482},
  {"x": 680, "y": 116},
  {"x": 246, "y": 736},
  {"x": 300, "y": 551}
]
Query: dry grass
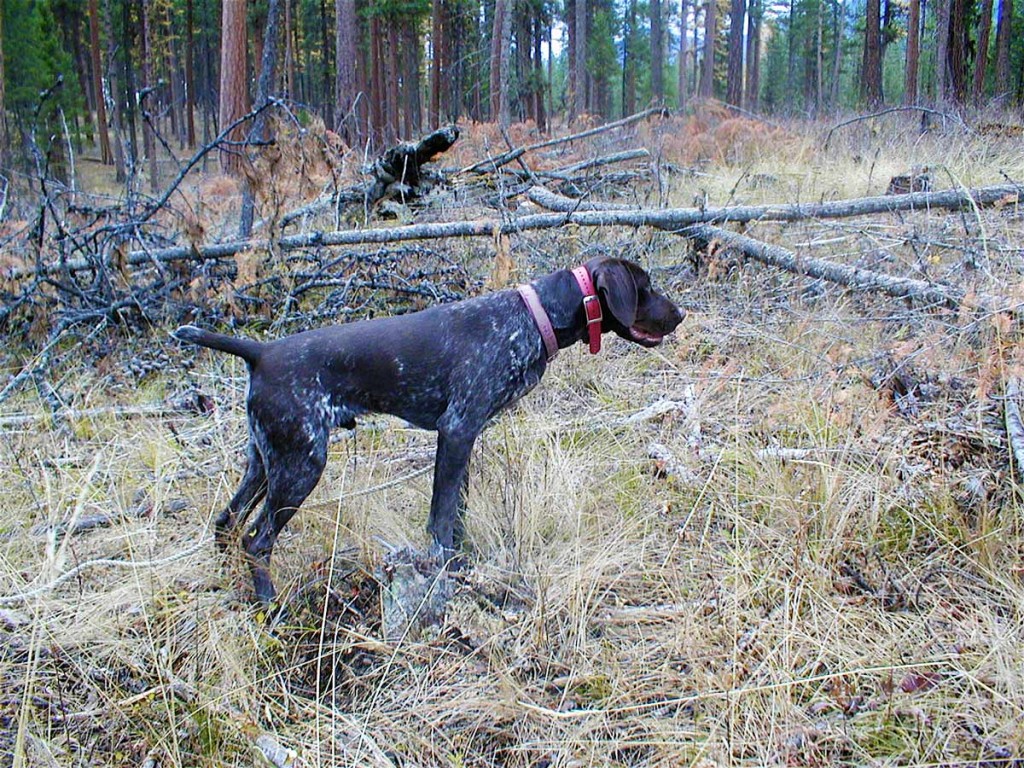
[{"x": 831, "y": 571}]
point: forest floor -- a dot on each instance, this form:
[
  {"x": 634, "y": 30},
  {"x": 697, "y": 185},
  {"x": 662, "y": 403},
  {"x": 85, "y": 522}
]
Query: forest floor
[{"x": 790, "y": 535}]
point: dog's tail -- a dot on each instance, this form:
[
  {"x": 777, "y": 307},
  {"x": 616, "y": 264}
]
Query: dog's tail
[{"x": 247, "y": 349}]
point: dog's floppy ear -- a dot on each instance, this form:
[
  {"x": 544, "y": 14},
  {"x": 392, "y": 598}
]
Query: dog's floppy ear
[{"x": 615, "y": 280}]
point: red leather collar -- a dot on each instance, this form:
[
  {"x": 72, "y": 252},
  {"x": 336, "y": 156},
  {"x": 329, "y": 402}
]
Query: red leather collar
[
  {"x": 592, "y": 307},
  {"x": 540, "y": 317}
]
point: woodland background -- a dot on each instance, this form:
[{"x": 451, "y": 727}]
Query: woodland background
[{"x": 377, "y": 70}]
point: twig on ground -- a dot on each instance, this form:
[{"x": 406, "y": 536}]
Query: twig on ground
[{"x": 1014, "y": 425}]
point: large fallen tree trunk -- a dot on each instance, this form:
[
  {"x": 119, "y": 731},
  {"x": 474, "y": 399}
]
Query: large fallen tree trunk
[
  {"x": 580, "y": 213},
  {"x": 741, "y": 214},
  {"x": 776, "y": 256},
  {"x": 852, "y": 277}
]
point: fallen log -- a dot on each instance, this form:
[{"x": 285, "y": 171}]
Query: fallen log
[
  {"x": 600, "y": 162},
  {"x": 492, "y": 164},
  {"x": 580, "y": 213},
  {"x": 853, "y": 277},
  {"x": 400, "y": 167},
  {"x": 776, "y": 256}
]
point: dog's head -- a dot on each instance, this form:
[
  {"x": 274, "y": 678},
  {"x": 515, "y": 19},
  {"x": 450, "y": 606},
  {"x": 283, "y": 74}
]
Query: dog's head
[{"x": 631, "y": 307}]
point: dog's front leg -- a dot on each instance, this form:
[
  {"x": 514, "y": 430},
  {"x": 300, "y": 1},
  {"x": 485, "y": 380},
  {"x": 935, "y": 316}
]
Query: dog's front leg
[{"x": 454, "y": 446}]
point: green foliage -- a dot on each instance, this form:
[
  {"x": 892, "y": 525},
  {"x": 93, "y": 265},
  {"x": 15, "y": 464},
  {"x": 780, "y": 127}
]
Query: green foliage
[
  {"x": 398, "y": 9},
  {"x": 34, "y": 60}
]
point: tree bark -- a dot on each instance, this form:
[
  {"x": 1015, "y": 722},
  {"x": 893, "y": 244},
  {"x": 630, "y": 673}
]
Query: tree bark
[
  {"x": 734, "y": 72},
  {"x": 942, "y": 51},
  {"x": 871, "y": 69},
  {"x": 190, "y": 80},
  {"x": 501, "y": 44},
  {"x": 959, "y": 43},
  {"x": 657, "y": 55},
  {"x": 376, "y": 80},
  {"x": 234, "y": 93},
  {"x": 913, "y": 52},
  {"x": 289, "y": 51},
  {"x": 753, "y": 84},
  {"x": 837, "y": 53},
  {"x": 146, "y": 105},
  {"x": 264, "y": 87},
  {"x": 582, "y": 81},
  {"x": 106, "y": 155},
  {"x": 1004, "y": 86},
  {"x": 346, "y": 86},
  {"x": 629, "y": 37},
  {"x": 684, "y": 44},
  {"x": 436, "y": 47},
  {"x": 540, "y": 112},
  {"x": 707, "y": 73},
  {"x": 981, "y": 58}
]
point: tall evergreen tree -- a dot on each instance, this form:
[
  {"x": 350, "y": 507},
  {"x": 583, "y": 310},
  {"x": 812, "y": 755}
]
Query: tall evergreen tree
[
  {"x": 657, "y": 54},
  {"x": 234, "y": 91},
  {"x": 734, "y": 74},
  {"x": 871, "y": 69},
  {"x": 1004, "y": 22},
  {"x": 707, "y": 72}
]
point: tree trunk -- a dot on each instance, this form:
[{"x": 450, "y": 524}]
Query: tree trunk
[
  {"x": 148, "y": 105},
  {"x": 707, "y": 73},
  {"x": 106, "y": 156},
  {"x": 981, "y": 60},
  {"x": 818, "y": 62},
  {"x": 657, "y": 55},
  {"x": 114, "y": 93},
  {"x": 524, "y": 106},
  {"x": 1004, "y": 87},
  {"x": 496, "y": 73},
  {"x": 264, "y": 88},
  {"x": 684, "y": 42},
  {"x": 190, "y": 80},
  {"x": 131, "y": 140},
  {"x": 538, "y": 70},
  {"x": 959, "y": 42},
  {"x": 753, "y": 55},
  {"x": 913, "y": 52},
  {"x": 346, "y": 87},
  {"x": 325, "y": 64},
  {"x": 436, "y": 47},
  {"x": 734, "y": 76},
  {"x": 234, "y": 93},
  {"x": 173, "y": 67},
  {"x": 871, "y": 70},
  {"x": 412, "y": 104},
  {"x": 289, "y": 51},
  {"x": 377, "y": 80},
  {"x": 837, "y": 53},
  {"x": 790, "y": 90},
  {"x": 391, "y": 82},
  {"x": 629, "y": 61},
  {"x": 582, "y": 33},
  {"x": 941, "y": 51}
]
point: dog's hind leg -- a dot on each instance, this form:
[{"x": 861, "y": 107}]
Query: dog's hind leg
[
  {"x": 250, "y": 492},
  {"x": 291, "y": 476}
]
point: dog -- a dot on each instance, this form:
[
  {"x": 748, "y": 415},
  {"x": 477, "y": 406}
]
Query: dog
[{"x": 449, "y": 368}]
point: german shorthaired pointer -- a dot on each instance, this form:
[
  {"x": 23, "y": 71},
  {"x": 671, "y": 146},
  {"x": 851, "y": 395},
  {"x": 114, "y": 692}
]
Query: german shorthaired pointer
[{"x": 449, "y": 368}]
